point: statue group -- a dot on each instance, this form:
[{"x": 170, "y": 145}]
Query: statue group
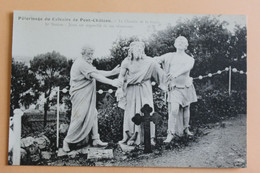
[{"x": 134, "y": 94}]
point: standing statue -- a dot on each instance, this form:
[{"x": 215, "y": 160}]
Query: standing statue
[
  {"x": 181, "y": 92},
  {"x": 136, "y": 73},
  {"x": 84, "y": 122}
]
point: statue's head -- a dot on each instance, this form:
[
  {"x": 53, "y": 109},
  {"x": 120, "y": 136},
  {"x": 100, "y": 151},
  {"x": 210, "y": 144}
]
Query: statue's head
[
  {"x": 87, "y": 53},
  {"x": 181, "y": 43},
  {"x": 136, "y": 50}
]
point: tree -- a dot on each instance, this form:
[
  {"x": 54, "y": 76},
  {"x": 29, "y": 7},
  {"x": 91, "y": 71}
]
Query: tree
[
  {"x": 51, "y": 70},
  {"x": 23, "y": 82}
]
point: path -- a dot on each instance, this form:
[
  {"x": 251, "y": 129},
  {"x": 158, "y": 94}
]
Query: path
[{"x": 223, "y": 146}]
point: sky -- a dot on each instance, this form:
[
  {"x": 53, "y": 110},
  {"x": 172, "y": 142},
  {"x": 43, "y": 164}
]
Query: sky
[{"x": 38, "y": 32}]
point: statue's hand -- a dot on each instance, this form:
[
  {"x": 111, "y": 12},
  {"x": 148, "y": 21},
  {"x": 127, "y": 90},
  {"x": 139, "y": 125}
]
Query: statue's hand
[
  {"x": 116, "y": 83},
  {"x": 170, "y": 77},
  {"x": 119, "y": 94}
]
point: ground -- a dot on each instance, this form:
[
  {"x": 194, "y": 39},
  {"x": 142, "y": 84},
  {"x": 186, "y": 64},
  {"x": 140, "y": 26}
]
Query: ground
[{"x": 220, "y": 145}]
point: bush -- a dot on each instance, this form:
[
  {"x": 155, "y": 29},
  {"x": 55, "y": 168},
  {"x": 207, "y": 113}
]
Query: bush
[
  {"x": 215, "y": 105},
  {"x": 110, "y": 120}
]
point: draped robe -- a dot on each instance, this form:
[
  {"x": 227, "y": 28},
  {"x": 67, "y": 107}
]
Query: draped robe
[
  {"x": 138, "y": 92},
  {"x": 83, "y": 99}
]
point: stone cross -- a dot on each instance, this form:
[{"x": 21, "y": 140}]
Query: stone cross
[{"x": 138, "y": 119}]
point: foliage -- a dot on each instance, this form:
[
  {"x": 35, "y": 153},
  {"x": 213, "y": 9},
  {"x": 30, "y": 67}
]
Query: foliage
[
  {"x": 30, "y": 129},
  {"x": 23, "y": 81},
  {"x": 50, "y": 133},
  {"x": 51, "y": 70},
  {"x": 217, "y": 105},
  {"x": 160, "y": 106},
  {"x": 110, "y": 120}
]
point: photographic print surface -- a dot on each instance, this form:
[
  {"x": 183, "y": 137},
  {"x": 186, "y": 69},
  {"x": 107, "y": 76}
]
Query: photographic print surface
[{"x": 128, "y": 89}]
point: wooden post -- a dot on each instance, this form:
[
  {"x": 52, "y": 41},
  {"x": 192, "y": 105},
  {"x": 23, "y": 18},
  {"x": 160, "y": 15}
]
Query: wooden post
[
  {"x": 18, "y": 113},
  {"x": 58, "y": 117},
  {"x": 165, "y": 97},
  {"x": 229, "y": 81}
]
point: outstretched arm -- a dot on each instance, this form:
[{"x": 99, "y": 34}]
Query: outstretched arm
[
  {"x": 113, "y": 72},
  {"x": 160, "y": 59},
  {"x": 99, "y": 77}
]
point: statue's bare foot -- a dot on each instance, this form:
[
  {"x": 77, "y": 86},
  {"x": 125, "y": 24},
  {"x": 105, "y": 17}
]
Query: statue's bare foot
[
  {"x": 187, "y": 132},
  {"x": 130, "y": 142},
  {"x": 125, "y": 139},
  {"x": 169, "y": 138},
  {"x": 153, "y": 142},
  {"x": 132, "y": 139},
  {"x": 99, "y": 143},
  {"x": 65, "y": 147}
]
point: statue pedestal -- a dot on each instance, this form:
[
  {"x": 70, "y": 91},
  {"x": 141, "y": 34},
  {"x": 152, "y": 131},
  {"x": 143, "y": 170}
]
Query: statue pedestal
[
  {"x": 92, "y": 152},
  {"x": 98, "y": 153}
]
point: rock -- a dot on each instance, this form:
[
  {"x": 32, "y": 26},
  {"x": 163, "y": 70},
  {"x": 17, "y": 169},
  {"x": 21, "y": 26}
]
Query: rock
[
  {"x": 35, "y": 158},
  {"x": 113, "y": 161},
  {"x": 33, "y": 149},
  {"x": 95, "y": 153},
  {"x": 108, "y": 164},
  {"x": 123, "y": 157},
  {"x": 34, "y": 153},
  {"x": 64, "y": 128},
  {"x": 156, "y": 152},
  {"x": 207, "y": 162},
  {"x": 229, "y": 124},
  {"x": 126, "y": 148},
  {"x": 42, "y": 143},
  {"x": 73, "y": 153},
  {"x": 46, "y": 155},
  {"x": 47, "y": 139},
  {"x": 220, "y": 162},
  {"x": 223, "y": 125},
  {"x": 221, "y": 158},
  {"x": 239, "y": 162},
  {"x": 85, "y": 150},
  {"x": 26, "y": 142},
  {"x": 231, "y": 154}
]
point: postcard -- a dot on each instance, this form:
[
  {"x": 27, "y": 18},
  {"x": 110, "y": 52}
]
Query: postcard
[{"x": 128, "y": 90}]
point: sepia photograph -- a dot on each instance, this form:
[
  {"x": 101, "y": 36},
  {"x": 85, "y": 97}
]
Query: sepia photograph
[{"x": 128, "y": 90}]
